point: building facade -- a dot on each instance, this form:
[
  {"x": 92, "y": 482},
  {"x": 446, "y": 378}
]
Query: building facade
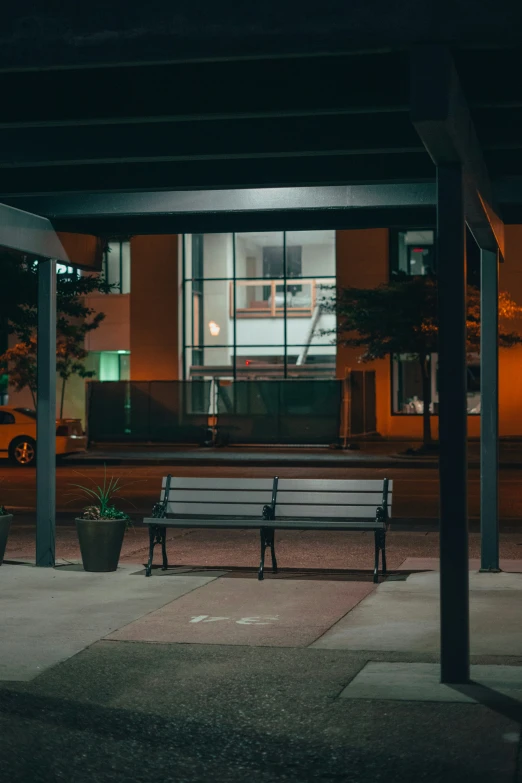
[{"x": 249, "y": 306}]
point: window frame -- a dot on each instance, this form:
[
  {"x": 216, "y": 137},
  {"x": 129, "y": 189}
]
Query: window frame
[
  {"x": 187, "y": 285},
  {"x": 393, "y": 258}
]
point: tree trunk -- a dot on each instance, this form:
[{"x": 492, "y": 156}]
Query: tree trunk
[
  {"x": 62, "y": 399},
  {"x": 425, "y": 365},
  {"x": 33, "y": 395}
]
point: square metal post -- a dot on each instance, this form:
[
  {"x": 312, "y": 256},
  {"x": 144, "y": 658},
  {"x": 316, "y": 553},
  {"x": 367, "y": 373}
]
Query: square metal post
[
  {"x": 489, "y": 557},
  {"x": 46, "y": 415},
  {"x": 454, "y": 577}
]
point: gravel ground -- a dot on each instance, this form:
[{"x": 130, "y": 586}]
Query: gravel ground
[{"x": 295, "y": 549}]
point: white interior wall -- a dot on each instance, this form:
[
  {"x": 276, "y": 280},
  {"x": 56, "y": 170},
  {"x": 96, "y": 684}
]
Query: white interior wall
[{"x": 218, "y": 262}]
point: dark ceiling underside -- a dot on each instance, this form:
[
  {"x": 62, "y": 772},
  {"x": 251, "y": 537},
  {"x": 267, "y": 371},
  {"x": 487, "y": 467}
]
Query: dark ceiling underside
[{"x": 304, "y": 120}]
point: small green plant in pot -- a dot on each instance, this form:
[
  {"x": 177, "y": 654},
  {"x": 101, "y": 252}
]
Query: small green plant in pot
[
  {"x": 5, "y": 524},
  {"x": 101, "y": 526}
]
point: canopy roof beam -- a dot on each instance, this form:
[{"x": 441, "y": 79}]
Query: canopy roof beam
[{"x": 440, "y": 114}]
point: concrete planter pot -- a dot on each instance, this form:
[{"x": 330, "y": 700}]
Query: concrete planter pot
[
  {"x": 100, "y": 543},
  {"x": 5, "y": 524}
]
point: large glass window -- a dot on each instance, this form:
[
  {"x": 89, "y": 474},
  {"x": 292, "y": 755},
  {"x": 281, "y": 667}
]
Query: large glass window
[
  {"x": 109, "y": 365},
  {"x": 413, "y": 253},
  {"x": 253, "y": 304},
  {"x": 117, "y": 267}
]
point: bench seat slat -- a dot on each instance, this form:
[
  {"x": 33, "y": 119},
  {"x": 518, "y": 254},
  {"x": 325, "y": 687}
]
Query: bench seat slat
[{"x": 303, "y": 523}]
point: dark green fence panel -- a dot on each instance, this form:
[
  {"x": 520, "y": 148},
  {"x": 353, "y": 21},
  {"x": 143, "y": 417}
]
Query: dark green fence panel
[
  {"x": 280, "y": 411},
  {"x": 148, "y": 411},
  {"x": 265, "y": 412}
]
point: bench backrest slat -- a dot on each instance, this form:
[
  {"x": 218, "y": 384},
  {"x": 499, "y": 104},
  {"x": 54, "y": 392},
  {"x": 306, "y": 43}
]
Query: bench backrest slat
[
  {"x": 373, "y": 499},
  {"x": 216, "y": 509},
  {"x": 326, "y": 512},
  {"x": 234, "y": 497},
  {"x": 306, "y": 498},
  {"x": 180, "y": 482},
  {"x": 333, "y": 485},
  {"x": 218, "y": 496}
]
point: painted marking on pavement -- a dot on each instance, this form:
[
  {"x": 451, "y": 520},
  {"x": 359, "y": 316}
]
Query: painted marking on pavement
[{"x": 256, "y": 620}]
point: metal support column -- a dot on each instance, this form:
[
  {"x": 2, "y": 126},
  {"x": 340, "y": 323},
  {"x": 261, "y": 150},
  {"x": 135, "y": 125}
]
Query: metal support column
[
  {"x": 46, "y": 415},
  {"x": 454, "y": 578},
  {"x": 489, "y": 559}
]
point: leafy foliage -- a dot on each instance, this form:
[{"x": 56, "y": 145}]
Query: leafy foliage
[
  {"x": 102, "y": 499},
  {"x": 3, "y": 511},
  {"x": 19, "y": 295},
  {"x": 71, "y": 353},
  {"x": 19, "y": 312},
  {"x": 21, "y": 360},
  {"x": 95, "y": 512},
  {"x": 401, "y": 317}
]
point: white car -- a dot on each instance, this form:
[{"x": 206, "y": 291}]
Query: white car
[{"x": 18, "y": 435}]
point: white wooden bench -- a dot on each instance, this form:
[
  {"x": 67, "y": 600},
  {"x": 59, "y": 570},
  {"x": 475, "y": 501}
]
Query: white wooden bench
[{"x": 270, "y": 504}]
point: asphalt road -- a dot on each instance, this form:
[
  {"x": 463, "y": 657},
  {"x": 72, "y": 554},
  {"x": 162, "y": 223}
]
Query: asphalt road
[{"x": 415, "y": 490}]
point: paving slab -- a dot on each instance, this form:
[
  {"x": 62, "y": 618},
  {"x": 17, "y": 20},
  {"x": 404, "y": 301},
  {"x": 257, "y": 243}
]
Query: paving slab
[
  {"x": 404, "y": 616},
  {"x": 277, "y": 613},
  {"x": 49, "y": 614},
  {"x": 421, "y": 682},
  {"x": 433, "y": 564}
]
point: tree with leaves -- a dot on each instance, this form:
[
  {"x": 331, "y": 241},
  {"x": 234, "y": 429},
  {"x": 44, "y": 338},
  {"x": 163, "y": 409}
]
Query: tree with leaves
[
  {"x": 19, "y": 295},
  {"x": 19, "y": 315},
  {"x": 400, "y": 317},
  {"x": 19, "y": 363},
  {"x": 71, "y": 353},
  {"x": 70, "y": 358}
]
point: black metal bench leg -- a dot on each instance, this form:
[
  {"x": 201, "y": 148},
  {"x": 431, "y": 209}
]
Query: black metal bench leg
[
  {"x": 376, "y": 566},
  {"x": 157, "y": 535},
  {"x": 165, "y": 565},
  {"x": 152, "y": 543},
  {"x": 380, "y": 546},
  {"x": 261, "y": 572},
  {"x": 272, "y": 550}
]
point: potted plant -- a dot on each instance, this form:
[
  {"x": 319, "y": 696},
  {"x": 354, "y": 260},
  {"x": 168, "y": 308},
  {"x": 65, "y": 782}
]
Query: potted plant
[
  {"x": 5, "y": 524},
  {"x": 101, "y": 526}
]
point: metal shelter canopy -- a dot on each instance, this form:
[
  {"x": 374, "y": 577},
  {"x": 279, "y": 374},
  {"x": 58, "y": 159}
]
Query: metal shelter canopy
[
  {"x": 247, "y": 209},
  {"x": 277, "y": 120},
  {"x": 30, "y": 234}
]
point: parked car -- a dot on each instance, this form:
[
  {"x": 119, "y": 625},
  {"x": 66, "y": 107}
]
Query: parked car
[{"x": 18, "y": 435}]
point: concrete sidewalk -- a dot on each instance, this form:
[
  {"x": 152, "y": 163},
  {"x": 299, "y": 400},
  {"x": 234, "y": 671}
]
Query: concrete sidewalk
[{"x": 192, "y": 676}]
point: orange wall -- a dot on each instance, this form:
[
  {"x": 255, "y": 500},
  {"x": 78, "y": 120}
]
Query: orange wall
[
  {"x": 510, "y": 364},
  {"x": 154, "y": 308},
  {"x": 363, "y": 261},
  {"x": 113, "y": 333},
  {"x": 83, "y": 250}
]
